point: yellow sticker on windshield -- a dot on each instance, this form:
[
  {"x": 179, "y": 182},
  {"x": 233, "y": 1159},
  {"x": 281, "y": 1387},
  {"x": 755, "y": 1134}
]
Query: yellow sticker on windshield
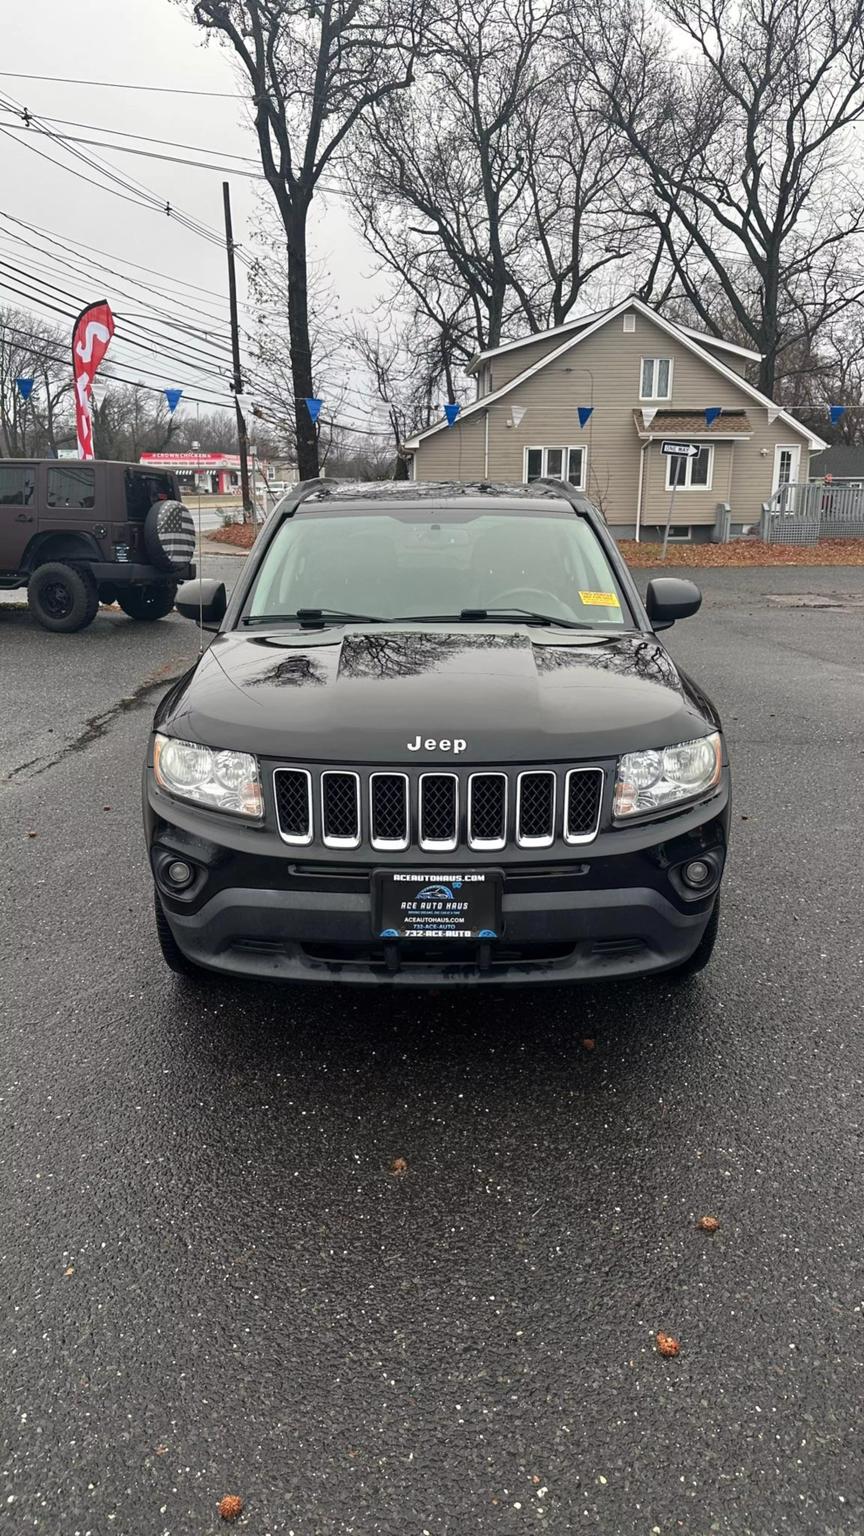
[{"x": 600, "y": 599}]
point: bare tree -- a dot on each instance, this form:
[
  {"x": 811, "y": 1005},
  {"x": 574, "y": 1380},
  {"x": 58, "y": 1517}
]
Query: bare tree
[
  {"x": 743, "y": 133},
  {"x": 315, "y": 67},
  {"x": 33, "y": 349}
]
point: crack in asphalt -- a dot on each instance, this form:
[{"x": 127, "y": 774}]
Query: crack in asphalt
[{"x": 96, "y": 727}]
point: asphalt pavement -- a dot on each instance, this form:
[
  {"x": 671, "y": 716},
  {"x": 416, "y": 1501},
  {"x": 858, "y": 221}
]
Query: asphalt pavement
[{"x": 213, "y": 1282}]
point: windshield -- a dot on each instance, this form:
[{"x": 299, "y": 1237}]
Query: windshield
[{"x": 417, "y": 562}]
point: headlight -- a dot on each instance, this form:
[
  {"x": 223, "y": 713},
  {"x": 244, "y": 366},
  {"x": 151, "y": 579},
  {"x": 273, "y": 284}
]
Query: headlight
[
  {"x": 225, "y": 781},
  {"x": 647, "y": 781}
]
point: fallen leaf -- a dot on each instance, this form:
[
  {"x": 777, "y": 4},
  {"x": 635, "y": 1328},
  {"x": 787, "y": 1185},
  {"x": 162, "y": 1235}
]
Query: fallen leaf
[
  {"x": 160, "y": 1450},
  {"x": 69, "y": 1271},
  {"x": 707, "y": 1223},
  {"x": 32, "y": 834},
  {"x": 230, "y": 1507},
  {"x": 398, "y": 1166},
  {"x": 535, "y": 1478},
  {"x": 667, "y": 1346},
  {"x": 589, "y": 1045}
]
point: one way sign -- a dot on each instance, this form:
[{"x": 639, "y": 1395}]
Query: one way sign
[{"x": 680, "y": 450}]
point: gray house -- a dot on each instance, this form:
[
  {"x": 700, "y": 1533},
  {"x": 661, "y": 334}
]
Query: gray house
[{"x": 644, "y": 380}]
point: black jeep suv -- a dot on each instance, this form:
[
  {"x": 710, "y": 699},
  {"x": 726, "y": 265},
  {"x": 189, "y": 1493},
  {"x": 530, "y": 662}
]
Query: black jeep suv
[
  {"x": 76, "y": 534},
  {"x": 436, "y": 739}
]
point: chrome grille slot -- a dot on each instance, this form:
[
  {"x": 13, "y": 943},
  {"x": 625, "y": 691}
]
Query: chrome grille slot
[
  {"x": 439, "y": 811},
  {"x": 583, "y": 794},
  {"x": 535, "y": 810},
  {"x": 293, "y": 791},
  {"x": 340, "y": 809},
  {"x": 388, "y": 810},
  {"x": 487, "y": 810}
]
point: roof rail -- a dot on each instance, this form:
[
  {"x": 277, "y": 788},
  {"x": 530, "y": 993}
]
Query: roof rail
[
  {"x": 301, "y": 493},
  {"x": 577, "y": 499}
]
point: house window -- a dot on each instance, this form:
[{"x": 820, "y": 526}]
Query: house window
[
  {"x": 556, "y": 464},
  {"x": 690, "y": 474},
  {"x": 656, "y": 381},
  {"x": 680, "y": 533}
]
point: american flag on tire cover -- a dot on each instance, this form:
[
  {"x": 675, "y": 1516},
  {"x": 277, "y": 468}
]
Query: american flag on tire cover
[{"x": 176, "y": 532}]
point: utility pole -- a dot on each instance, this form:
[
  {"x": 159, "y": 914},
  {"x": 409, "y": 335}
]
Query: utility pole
[{"x": 237, "y": 386}]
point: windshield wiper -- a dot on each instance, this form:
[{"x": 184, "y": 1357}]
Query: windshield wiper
[
  {"x": 313, "y": 616},
  {"x": 478, "y": 615}
]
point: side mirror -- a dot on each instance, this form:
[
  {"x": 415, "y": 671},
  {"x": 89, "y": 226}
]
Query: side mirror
[
  {"x": 668, "y": 598},
  {"x": 202, "y": 600}
]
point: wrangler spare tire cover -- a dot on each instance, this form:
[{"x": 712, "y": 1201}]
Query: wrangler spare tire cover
[{"x": 169, "y": 535}]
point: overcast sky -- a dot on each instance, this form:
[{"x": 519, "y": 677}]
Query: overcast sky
[{"x": 149, "y": 42}]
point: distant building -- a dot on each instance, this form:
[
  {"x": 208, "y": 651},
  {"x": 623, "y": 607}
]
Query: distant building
[
  {"x": 842, "y": 461},
  {"x": 216, "y": 474}
]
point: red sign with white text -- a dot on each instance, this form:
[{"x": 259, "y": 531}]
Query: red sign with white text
[{"x": 91, "y": 335}]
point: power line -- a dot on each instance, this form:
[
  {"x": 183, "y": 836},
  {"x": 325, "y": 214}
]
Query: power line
[
  {"x": 143, "y": 138},
  {"x": 193, "y": 359},
  {"x": 107, "y": 378},
  {"x": 122, "y": 85}
]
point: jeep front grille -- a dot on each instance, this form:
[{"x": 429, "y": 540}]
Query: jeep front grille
[
  {"x": 340, "y": 809},
  {"x": 390, "y": 810},
  {"x": 293, "y": 788}
]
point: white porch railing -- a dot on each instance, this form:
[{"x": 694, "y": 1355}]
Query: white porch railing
[{"x": 806, "y": 512}]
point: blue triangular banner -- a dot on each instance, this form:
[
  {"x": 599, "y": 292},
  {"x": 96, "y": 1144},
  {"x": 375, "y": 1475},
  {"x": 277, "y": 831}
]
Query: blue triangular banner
[
  {"x": 836, "y": 413},
  {"x": 585, "y": 412},
  {"x": 451, "y": 411},
  {"x": 173, "y": 398},
  {"x": 314, "y": 407},
  {"x": 712, "y": 413},
  {"x": 25, "y": 388}
]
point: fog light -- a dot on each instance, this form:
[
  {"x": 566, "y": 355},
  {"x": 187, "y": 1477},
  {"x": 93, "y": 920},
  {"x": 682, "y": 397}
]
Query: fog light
[
  {"x": 179, "y": 873},
  {"x": 697, "y": 873}
]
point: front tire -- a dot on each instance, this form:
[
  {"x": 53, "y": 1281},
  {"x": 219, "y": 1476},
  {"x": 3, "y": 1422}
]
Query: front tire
[
  {"x": 172, "y": 954},
  {"x": 701, "y": 954},
  {"x": 148, "y": 602},
  {"x": 62, "y": 597}
]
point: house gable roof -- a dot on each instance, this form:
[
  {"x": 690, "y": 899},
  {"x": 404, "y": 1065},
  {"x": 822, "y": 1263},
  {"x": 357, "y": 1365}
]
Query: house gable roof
[
  {"x": 671, "y": 329},
  {"x": 579, "y": 322}
]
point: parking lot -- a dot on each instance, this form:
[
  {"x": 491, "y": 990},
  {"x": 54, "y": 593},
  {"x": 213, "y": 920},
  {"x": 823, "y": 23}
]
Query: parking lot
[{"x": 214, "y": 1282}]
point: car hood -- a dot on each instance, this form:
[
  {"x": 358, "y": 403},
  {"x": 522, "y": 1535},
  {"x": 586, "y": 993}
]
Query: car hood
[{"x": 510, "y": 693}]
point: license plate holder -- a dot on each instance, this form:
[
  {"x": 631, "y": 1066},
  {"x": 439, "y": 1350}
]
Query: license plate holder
[{"x": 455, "y": 904}]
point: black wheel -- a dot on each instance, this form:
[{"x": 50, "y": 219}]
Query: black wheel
[
  {"x": 148, "y": 602},
  {"x": 701, "y": 954},
  {"x": 172, "y": 954},
  {"x": 62, "y": 597}
]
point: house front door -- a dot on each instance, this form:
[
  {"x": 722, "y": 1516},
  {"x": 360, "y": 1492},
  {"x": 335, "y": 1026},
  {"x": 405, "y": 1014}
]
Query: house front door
[{"x": 787, "y": 464}]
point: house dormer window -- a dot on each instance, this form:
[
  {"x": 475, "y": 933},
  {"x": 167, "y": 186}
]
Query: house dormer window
[{"x": 656, "y": 381}]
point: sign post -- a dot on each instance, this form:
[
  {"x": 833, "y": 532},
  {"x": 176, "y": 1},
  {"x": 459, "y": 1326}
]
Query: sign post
[{"x": 672, "y": 450}]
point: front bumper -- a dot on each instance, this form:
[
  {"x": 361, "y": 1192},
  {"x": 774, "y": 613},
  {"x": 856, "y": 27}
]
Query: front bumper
[{"x": 256, "y": 909}]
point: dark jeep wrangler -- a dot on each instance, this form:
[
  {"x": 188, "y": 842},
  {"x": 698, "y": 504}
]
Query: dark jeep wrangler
[
  {"x": 76, "y": 534},
  {"x": 437, "y": 739}
]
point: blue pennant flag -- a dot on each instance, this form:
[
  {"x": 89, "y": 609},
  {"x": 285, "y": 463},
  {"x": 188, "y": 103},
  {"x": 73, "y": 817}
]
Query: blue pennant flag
[
  {"x": 712, "y": 413},
  {"x": 314, "y": 407},
  {"x": 836, "y": 413},
  {"x": 451, "y": 411},
  {"x": 173, "y": 398},
  {"x": 25, "y": 388},
  {"x": 584, "y": 412}
]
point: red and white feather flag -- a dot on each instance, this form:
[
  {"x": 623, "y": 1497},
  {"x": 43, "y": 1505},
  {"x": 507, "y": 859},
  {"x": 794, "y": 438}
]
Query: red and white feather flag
[{"x": 91, "y": 335}]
